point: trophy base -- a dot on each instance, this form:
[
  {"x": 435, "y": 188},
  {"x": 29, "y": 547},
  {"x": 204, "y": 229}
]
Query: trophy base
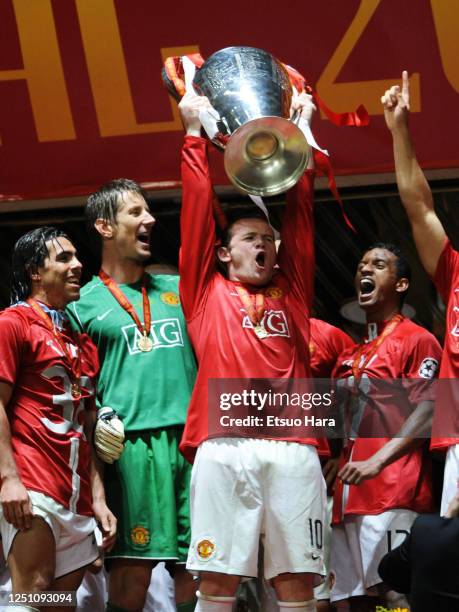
[{"x": 266, "y": 156}]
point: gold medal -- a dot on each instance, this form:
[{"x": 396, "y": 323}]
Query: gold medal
[
  {"x": 260, "y": 331},
  {"x": 144, "y": 344},
  {"x": 75, "y": 391}
]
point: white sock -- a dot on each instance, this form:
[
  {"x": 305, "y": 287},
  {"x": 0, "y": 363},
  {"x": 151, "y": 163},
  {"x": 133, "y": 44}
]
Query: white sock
[
  {"x": 297, "y": 606},
  {"x": 213, "y": 603}
]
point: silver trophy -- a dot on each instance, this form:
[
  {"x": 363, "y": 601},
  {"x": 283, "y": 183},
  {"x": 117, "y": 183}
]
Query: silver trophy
[{"x": 265, "y": 152}]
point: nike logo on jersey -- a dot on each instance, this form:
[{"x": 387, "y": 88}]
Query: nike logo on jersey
[{"x": 105, "y": 314}]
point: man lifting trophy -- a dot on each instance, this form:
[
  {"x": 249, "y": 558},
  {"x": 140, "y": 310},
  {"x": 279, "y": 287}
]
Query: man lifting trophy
[{"x": 247, "y": 312}]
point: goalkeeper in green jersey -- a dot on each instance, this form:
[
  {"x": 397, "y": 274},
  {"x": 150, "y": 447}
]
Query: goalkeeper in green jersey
[{"x": 146, "y": 378}]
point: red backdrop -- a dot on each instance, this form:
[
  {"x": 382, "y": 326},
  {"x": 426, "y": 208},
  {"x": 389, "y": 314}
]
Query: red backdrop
[{"x": 81, "y": 99}]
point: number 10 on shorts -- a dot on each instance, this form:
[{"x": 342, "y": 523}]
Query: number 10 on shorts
[{"x": 316, "y": 533}]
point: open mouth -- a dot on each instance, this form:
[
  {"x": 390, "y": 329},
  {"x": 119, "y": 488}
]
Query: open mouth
[
  {"x": 367, "y": 286},
  {"x": 74, "y": 281},
  {"x": 260, "y": 259},
  {"x": 144, "y": 238}
]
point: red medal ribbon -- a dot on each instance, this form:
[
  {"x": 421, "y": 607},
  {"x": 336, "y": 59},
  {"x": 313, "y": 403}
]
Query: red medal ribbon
[
  {"x": 74, "y": 364},
  {"x": 255, "y": 308},
  {"x": 357, "y": 369},
  {"x": 114, "y": 289}
]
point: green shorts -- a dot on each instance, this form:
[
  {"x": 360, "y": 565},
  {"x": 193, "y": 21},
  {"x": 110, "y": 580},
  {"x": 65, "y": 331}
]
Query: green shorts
[{"x": 147, "y": 490}]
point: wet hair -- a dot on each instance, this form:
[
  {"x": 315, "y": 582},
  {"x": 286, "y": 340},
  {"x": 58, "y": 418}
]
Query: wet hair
[
  {"x": 105, "y": 202},
  {"x": 29, "y": 253},
  {"x": 402, "y": 266}
]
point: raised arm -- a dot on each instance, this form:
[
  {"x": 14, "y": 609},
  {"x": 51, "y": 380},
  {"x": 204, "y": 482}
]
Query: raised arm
[
  {"x": 197, "y": 225},
  {"x": 414, "y": 190},
  {"x": 296, "y": 253}
]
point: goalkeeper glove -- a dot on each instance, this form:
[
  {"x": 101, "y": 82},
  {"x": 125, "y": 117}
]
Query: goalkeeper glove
[{"x": 108, "y": 435}]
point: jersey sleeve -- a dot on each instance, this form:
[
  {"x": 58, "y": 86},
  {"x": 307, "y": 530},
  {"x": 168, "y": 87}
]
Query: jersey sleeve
[
  {"x": 422, "y": 366},
  {"x": 296, "y": 253},
  {"x": 326, "y": 345},
  {"x": 89, "y": 354},
  {"x": 423, "y": 360},
  {"x": 197, "y": 226},
  {"x": 337, "y": 341},
  {"x": 91, "y": 366},
  {"x": 447, "y": 267},
  {"x": 12, "y": 333}
]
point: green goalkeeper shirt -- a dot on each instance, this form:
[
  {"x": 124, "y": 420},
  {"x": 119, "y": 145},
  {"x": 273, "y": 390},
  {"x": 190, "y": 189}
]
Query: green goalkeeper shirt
[{"x": 148, "y": 390}]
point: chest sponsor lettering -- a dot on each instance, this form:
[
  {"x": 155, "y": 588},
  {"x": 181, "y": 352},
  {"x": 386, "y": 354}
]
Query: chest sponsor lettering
[
  {"x": 274, "y": 323},
  {"x": 165, "y": 333}
]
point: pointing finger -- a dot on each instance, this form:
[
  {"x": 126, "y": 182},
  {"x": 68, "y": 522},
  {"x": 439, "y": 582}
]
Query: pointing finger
[{"x": 405, "y": 84}]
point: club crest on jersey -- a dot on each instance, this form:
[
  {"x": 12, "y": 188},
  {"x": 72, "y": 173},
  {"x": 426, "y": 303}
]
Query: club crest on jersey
[
  {"x": 274, "y": 323},
  {"x": 164, "y": 333},
  {"x": 428, "y": 368},
  {"x": 205, "y": 549},
  {"x": 140, "y": 536},
  {"x": 274, "y": 292},
  {"x": 170, "y": 298}
]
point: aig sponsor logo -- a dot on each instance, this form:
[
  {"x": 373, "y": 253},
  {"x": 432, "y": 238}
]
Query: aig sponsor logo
[
  {"x": 165, "y": 333},
  {"x": 274, "y": 323}
]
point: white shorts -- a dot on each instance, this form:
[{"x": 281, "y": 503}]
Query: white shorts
[
  {"x": 358, "y": 545},
  {"x": 73, "y": 533},
  {"x": 242, "y": 489},
  {"x": 451, "y": 477},
  {"x": 323, "y": 590}
]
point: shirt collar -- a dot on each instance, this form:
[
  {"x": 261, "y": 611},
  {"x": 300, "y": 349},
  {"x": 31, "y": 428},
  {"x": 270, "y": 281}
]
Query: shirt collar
[
  {"x": 373, "y": 330},
  {"x": 58, "y": 317}
]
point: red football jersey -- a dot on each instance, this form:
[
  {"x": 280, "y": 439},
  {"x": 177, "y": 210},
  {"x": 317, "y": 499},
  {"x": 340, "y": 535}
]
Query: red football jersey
[
  {"x": 49, "y": 445},
  {"x": 326, "y": 343},
  {"x": 447, "y": 282},
  {"x": 219, "y": 327},
  {"x": 409, "y": 352}
]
